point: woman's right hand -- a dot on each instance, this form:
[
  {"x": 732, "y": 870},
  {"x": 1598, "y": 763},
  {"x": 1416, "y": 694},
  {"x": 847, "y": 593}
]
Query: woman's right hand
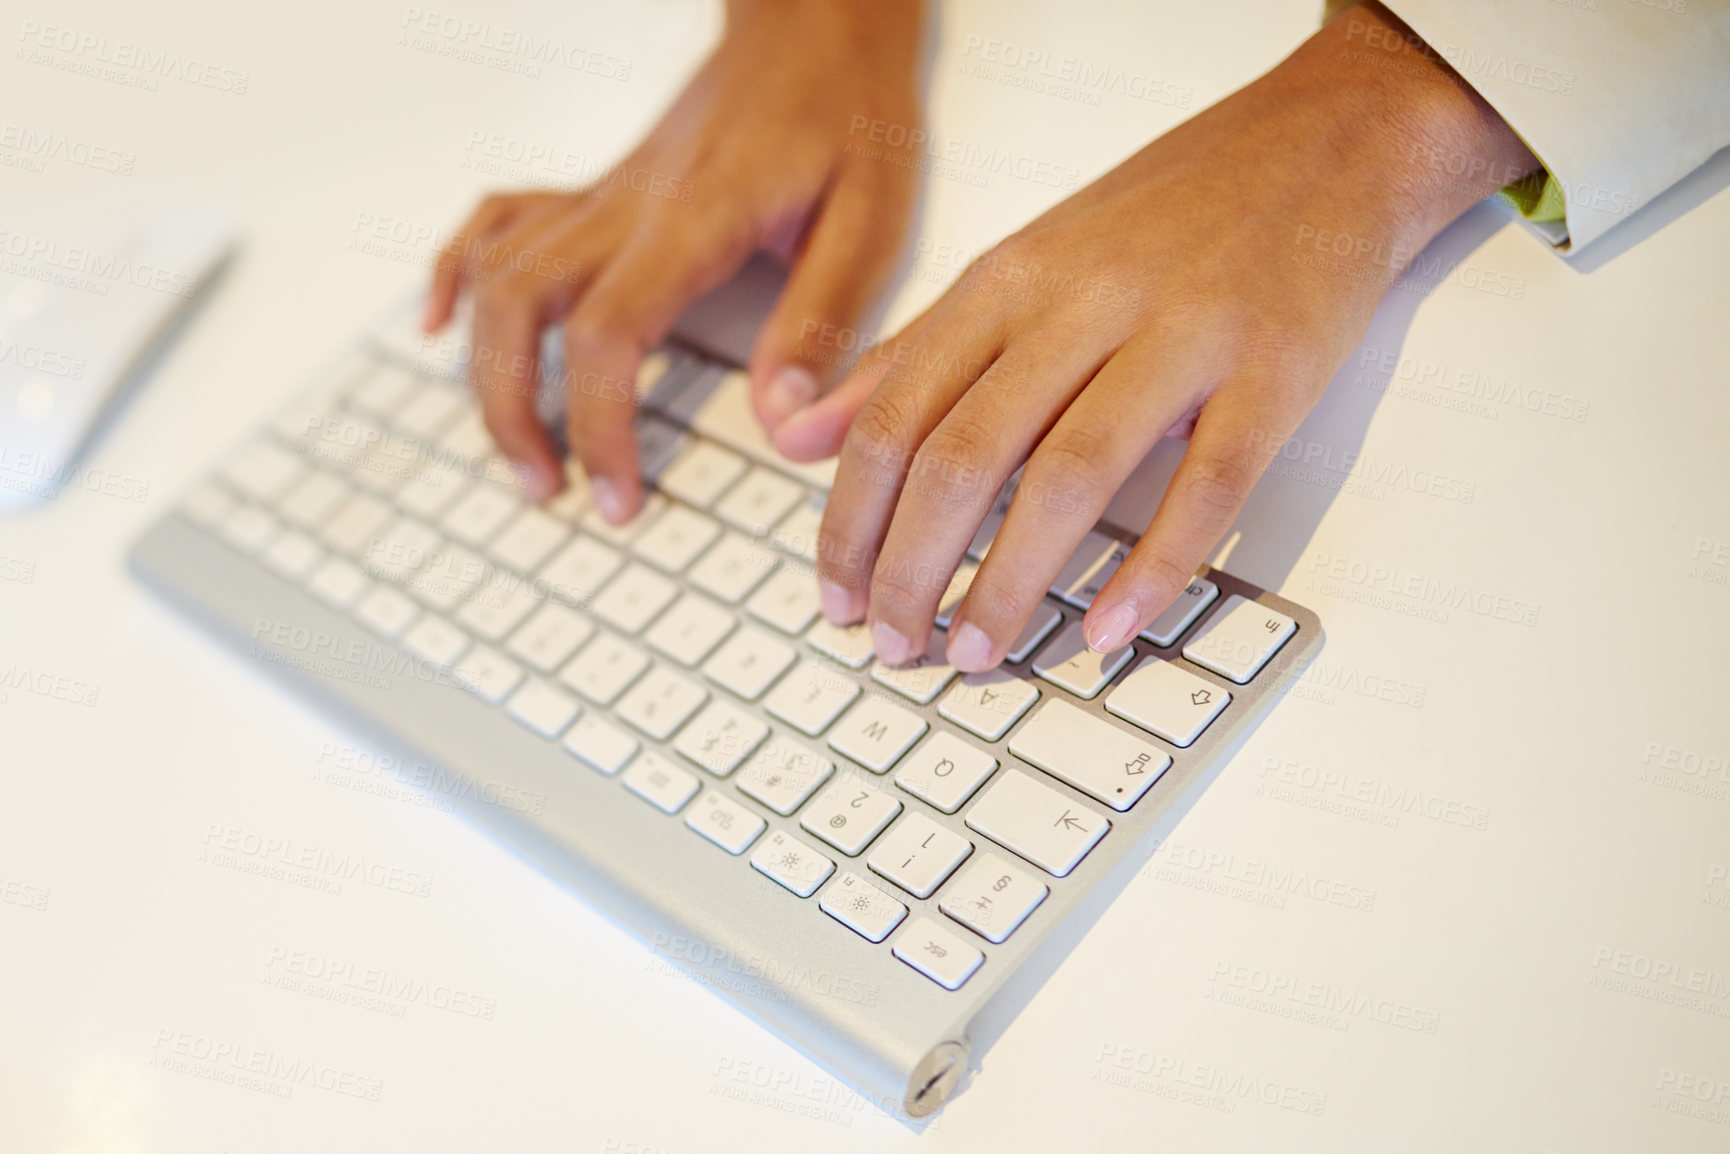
[{"x": 780, "y": 143}]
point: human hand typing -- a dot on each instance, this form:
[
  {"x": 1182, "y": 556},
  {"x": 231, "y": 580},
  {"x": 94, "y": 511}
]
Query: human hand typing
[
  {"x": 751, "y": 156},
  {"x": 1181, "y": 294}
]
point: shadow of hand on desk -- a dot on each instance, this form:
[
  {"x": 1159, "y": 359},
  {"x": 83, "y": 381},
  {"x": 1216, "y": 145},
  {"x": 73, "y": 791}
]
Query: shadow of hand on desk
[{"x": 1316, "y": 464}]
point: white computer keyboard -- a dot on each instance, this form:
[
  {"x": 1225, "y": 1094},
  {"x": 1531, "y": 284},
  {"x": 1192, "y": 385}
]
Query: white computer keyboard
[{"x": 682, "y": 660}]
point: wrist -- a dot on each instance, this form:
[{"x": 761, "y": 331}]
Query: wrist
[
  {"x": 878, "y": 29},
  {"x": 1425, "y": 144}
]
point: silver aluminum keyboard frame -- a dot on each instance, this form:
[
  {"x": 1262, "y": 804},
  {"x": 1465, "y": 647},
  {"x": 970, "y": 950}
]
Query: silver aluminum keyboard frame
[{"x": 887, "y": 1030}]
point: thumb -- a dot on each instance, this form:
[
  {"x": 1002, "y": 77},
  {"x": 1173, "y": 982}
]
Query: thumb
[{"x": 810, "y": 338}]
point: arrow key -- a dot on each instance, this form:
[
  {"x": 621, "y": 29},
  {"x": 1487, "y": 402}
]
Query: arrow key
[{"x": 1168, "y": 701}]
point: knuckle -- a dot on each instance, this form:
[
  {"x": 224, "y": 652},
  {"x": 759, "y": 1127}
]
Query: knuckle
[
  {"x": 1161, "y": 576},
  {"x": 503, "y": 298},
  {"x": 1220, "y": 482},
  {"x": 955, "y": 462},
  {"x": 902, "y": 588},
  {"x": 996, "y": 606},
  {"x": 602, "y": 326},
  {"x": 842, "y": 560},
  {"x": 879, "y": 439},
  {"x": 1064, "y": 475}
]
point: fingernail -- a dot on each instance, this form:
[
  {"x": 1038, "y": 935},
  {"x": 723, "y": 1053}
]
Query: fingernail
[
  {"x": 426, "y": 319},
  {"x": 891, "y": 647},
  {"x": 788, "y": 391},
  {"x": 536, "y": 482},
  {"x": 1111, "y": 629},
  {"x": 608, "y": 497},
  {"x": 969, "y": 648},
  {"x": 840, "y": 605}
]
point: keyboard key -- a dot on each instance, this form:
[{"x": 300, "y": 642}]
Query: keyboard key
[
  {"x": 385, "y": 468},
  {"x": 958, "y": 587},
  {"x": 528, "y": 540},
  {"x": 918, "y": 854},
  {"x": 499, "y": 607},
  {"x": 570, "y": 503},
  {"x": 481, "y": 513},
  {"x": 660, "y": 702},
  {"x": 549, "y": 637},
  {"x": 1181, "y": 614},
  {"x": 659, "y": 782},
  {"x": 601, "y": 670},
  {"x": 727, "y": 416},
  {"x": 1035, "y": 821},
  {"x": 383, "y": 390},
  {"x": 1069, "y": 664},
  {"x": 782, "y": 774},
  {"x": 690, "y": 630},
  {"x": 798, "y": 532},
  {"x": 875, "y": 733},
  {"x": 922, "y": 679},
  {"x": 431, "y": 408},
  {"x": 1168, "y": 701},
  {"x": 702, "y": 473},
  {"x": 733, "y": 567},
  {"x": 937, "y": 953},
  {"x": 579, "y": 570},
  {"x": 487, "y": 673},
  {"x": 311, "y": 501},
  {"x": 634, "y": 598},
  {"x": 787, "y": 601},
  {"x": 430, "y": 492},
  {"x": 1037, "y": 629},
  {"x": 720, "y": 737},
  {"x": 989, "y": 703},
  {"x": 676, "y": 538},
  {"x": 294, "y": 555},
  {"x": 435, "y": 641},
  {"x": 542, "y": 708},
  {"x": 248, "y": 528},
  {"x": 399, "y": 549},
  {"x": 1089, "y": 568},
  {"x": 945, "y": 771},
  {"x": 338, "y": 583},
  {"x": 725, "y": 822},
  {"x": 466, "y": 440},
  {"x": 355, "y": 523},
  {"x": 849, "y": 813},
  {"x": 619, "y": 536},
  {"x": 263, "y": 470},
  {"x": 850, "y": 645},
  {"x": 810, "y": 697},
  {"x": 748, "y": 662},
  {"x": 1239, "y": 639},
  {"x": 1090, "y": 753},
  {"x": 602, "y": 744},
  {"x": 791, "y": 863},
  {"x": 992, "y": 898},
  {"x": 862, "y": 907},
  {"x": 450, "y": 575},
  {"x": 759, "y": 501},
  {"x": 386, "y": 611}
]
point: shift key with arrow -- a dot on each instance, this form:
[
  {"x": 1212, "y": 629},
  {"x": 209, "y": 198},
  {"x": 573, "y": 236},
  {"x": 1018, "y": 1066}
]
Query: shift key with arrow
[
  {"x": 1168, "y": 701},
  {"x": 1090, "y": 753}
]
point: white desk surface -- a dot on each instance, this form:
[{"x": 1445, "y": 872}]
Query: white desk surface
[{"x": 1466, "y": 889}]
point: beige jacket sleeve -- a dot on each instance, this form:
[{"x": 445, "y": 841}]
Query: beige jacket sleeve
[{"x": 1619, "y": 99}]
